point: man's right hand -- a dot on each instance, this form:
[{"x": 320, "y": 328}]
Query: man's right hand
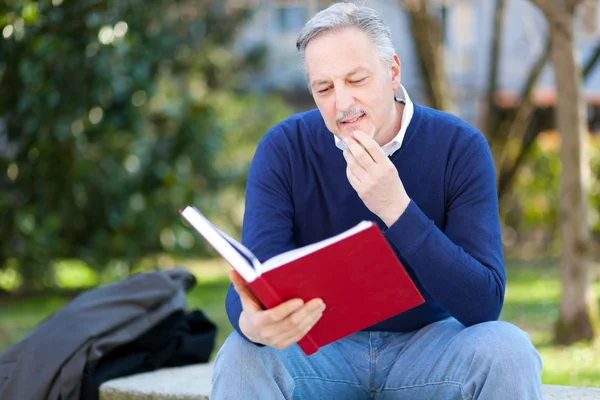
[{"x": 279, "y": 326}]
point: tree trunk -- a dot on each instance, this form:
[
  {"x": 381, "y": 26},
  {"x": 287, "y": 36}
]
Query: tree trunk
[
  {"x": 427, "y": 34},
  {"x": 578, "y": 310},
  {"x": 491, "y": 123}
]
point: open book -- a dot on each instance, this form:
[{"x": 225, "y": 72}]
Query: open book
[{"x": 355, "y": 273}]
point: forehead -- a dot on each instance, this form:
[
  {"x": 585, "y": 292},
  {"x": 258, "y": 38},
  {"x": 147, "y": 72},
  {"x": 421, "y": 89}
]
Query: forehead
[{"x": 337, "y": 53}]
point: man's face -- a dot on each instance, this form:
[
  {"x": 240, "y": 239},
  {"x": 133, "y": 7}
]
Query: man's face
[{"x": 352, "y": 88}]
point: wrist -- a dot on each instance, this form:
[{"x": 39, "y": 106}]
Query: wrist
[{"x": 396, "y": 212}]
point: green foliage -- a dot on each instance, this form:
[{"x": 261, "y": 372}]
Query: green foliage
[
  {"x": 531, "y": 211},
  {"x": 113, "y": 115}
]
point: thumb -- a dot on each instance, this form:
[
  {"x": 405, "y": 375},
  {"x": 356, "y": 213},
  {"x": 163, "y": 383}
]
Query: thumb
[{"x": 249, "y": 301}]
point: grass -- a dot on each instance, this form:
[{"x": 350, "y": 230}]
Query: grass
[{"x": 532, "y": 299}]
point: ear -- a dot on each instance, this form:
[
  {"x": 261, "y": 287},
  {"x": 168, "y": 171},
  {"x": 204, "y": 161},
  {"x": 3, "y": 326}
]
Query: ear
[{"x": 396, "y": 73}]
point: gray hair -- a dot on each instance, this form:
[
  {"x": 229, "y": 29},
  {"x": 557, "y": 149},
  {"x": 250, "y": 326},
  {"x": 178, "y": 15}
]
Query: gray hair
[{"x": 342, "y": 15}]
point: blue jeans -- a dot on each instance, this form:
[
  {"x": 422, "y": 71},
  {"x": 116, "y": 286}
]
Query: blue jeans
[{"x": 444, "y": 360}]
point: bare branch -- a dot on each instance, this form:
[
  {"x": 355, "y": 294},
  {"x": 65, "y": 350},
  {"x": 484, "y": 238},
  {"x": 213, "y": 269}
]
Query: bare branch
[
  {"x": 520, "y": 123},
  {"x": 591, "y": 62},
  {"x": 491, "y": 117}
]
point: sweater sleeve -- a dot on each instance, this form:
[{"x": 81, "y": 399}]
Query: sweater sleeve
[
  {"x": 268, "y": 216},
  {"x": 462, "y": 267}
]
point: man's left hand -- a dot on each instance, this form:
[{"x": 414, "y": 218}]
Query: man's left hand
[{"x": 374, "y": 178}]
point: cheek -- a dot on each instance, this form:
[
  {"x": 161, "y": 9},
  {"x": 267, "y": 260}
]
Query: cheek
[
  {"x": 328, "y": 111},
  {"x": 375, "y": 100}
]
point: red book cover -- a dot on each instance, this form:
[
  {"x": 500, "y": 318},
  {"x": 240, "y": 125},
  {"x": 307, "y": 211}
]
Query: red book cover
[
  {"x": 359, "y": 278},
  {"x": 357, "y": 275}
]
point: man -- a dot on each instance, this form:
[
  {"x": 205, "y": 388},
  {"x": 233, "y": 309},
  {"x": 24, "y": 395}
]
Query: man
[{"x": 427, "y": 178}]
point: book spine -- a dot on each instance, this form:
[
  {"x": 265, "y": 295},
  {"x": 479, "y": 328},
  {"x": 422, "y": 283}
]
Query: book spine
[
  {"x": 265, "y": 292},
  {"x": 308, "y": 345}
]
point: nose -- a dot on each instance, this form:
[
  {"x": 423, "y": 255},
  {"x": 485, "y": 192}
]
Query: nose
[{"x": 343, "y": 98}]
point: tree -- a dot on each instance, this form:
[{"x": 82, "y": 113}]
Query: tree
[
  {"x": 113, "y": 115},
  {"x": 578, "y": 309},
  {"x": 426, "y": 28},
  {"x": 511, "y": 137},
  {"x": 523, "y": 124},
  {"x": 427, "y": 31}
]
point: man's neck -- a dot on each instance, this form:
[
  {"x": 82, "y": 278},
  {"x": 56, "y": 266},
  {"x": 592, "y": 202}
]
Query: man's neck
[{"x": 395, "y": 128}]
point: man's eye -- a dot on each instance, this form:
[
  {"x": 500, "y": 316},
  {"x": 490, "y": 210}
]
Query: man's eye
[
  {"x": 323, "y": 91},
  {"x": 359, "y": 80}
]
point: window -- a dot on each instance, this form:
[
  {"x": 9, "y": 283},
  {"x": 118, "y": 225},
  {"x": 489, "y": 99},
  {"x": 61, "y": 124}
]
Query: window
[
  {"x": 291, "y": 15},
  {"x": 291, "y": 19},
  {"x": 460, "y": 38}
]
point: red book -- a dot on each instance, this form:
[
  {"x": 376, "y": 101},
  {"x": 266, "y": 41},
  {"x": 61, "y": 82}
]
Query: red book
[{"x": 356, "y": 273}]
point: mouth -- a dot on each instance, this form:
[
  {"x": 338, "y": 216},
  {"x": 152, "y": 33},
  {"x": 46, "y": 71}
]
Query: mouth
[{"x": 352, "y": 120}]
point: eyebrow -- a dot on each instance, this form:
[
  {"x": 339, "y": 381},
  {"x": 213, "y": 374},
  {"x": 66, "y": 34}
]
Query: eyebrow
[{"x": 348, "y": 75}]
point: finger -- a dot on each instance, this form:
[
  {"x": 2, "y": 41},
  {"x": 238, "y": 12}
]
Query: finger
[
  {"x": 370, "y": 145},
  {"x": 357, "y": 170},
  {"x": 296, "y": 321},
  {"x": 354, "y": 181},
  {"x": 280, "y": 312},
  {"x": 295, "y": 335},
  {"x": 296, "y": 318},
  {"x": 248, "y": 299},
  {"x": 308, "y": 324},
  {"x": 308, "y": 315},
  {"x": 360, "y": 154}
]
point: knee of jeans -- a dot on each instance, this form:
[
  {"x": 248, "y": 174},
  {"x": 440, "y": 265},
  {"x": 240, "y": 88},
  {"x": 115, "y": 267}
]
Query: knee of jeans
[
  {"x": 236, "y": 351},
  {"x": 501, "y": 344}
]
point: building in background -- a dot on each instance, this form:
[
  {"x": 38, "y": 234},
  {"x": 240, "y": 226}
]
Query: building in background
[{"x": 467, "y": 34}]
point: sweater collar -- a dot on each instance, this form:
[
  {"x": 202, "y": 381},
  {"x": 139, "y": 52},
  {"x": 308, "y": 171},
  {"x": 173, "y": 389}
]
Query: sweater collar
[{"x": 395, "y": 144}]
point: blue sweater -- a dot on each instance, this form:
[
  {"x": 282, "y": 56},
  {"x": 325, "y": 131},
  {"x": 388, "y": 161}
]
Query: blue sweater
[{"x": 448, "y": 238}]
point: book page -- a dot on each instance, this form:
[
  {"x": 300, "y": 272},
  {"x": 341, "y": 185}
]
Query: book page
[
  {"x": 294, "y": 254},
  {"x": 241, "y": 262},
  {"x": 243, "y": 250}
]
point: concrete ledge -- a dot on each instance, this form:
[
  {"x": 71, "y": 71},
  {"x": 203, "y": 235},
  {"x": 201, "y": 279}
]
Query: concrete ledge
[
  {"x": 554, "y": 392},
  {"x": 193, "y": 383}
]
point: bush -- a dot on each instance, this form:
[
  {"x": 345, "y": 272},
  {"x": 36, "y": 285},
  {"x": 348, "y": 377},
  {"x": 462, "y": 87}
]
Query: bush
[
  {"x": 530, "y": 214},
  {"x": 113, "y": 115}
]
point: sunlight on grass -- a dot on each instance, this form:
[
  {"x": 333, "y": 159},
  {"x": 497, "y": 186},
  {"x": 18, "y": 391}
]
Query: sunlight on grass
[
  {"x": 532, "y": 291},
  {"x": 577, "y": 365}
]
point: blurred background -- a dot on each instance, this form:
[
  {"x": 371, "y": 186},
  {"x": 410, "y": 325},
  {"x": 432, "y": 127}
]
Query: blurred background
[{"x": 116, "y": 114}]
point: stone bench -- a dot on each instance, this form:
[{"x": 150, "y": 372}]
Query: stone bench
[{"x": 193, "y": 383}]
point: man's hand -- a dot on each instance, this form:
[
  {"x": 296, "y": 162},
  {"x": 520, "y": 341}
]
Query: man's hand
[
  {"x": 280, "y": 326},
  {"x": 374, "y": 178}
]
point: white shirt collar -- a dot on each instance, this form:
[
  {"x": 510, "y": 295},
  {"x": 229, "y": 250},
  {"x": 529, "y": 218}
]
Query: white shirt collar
[{"x": 391, "y": 147}]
